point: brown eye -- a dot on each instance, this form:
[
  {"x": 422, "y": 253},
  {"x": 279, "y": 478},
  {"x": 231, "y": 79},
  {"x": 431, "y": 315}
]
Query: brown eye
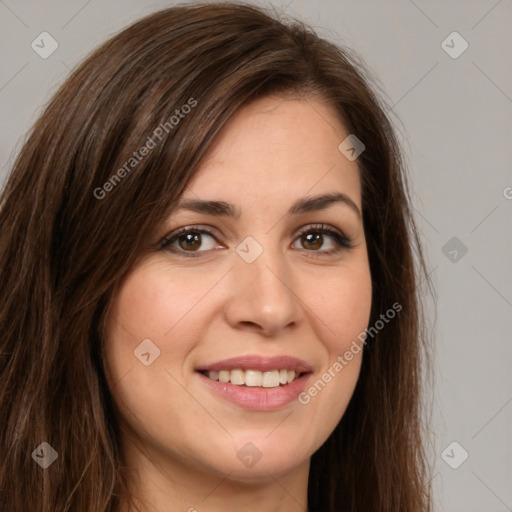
[
  {"x": 190, "y": 241},
  {"x": 312, "y": 240}
]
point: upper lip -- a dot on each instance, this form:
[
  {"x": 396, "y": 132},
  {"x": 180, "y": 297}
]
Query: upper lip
[{"x": 258, "y": 362}]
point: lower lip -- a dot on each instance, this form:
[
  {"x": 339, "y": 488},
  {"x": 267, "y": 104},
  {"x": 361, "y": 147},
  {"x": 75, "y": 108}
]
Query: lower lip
[{"x": 257, "y": 398}]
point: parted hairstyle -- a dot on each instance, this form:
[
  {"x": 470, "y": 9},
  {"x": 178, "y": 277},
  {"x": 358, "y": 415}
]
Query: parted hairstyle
[{"x": 73, "y": 223}]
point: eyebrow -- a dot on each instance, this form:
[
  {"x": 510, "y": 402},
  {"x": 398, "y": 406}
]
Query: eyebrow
[{"x": 303, "y": 205}]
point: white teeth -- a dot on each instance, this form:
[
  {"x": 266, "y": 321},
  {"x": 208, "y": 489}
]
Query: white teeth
[
  {"x": 271, "y": 379},
  {"x": 224, "y": 376},
  {"x": 237, "y": 377},
  {"x": 254, "y": 378}
]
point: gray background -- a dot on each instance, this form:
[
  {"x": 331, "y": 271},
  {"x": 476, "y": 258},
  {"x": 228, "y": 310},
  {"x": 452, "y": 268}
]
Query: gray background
[{"x": 456, "y": 118}]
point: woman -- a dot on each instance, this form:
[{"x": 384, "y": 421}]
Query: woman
[{"x": 209, "y": 293}]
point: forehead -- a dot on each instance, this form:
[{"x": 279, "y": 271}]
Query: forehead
[{"x": 277, "y": 147}]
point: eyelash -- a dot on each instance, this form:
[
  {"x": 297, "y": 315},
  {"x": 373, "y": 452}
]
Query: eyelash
[{"x": 342, "y": 242}]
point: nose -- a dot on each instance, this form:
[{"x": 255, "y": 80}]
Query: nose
[{"x": 261, "y": 295}]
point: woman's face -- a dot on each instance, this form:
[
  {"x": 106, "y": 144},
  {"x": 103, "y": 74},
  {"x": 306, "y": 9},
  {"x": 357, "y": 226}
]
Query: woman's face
[{"x": 262, "y": 286}]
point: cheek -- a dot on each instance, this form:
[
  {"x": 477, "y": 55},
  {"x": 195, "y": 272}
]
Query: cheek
[
  {"x": 343, "y": 304},
  {"x": 342, "y": 310},
  {"x": 152, "y": 303},
  {"x": 145, "y": 308},
  {"x": 170, "y": 309}
]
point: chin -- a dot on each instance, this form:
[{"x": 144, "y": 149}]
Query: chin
[{"x": 256, "y": 460}]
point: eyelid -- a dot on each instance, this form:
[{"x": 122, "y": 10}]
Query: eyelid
[{"x": 321, "y": 228}]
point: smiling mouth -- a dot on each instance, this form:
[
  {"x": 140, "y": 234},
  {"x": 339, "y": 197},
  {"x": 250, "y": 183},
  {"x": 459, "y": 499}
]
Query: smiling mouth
[{"x": 254, "y": 378}]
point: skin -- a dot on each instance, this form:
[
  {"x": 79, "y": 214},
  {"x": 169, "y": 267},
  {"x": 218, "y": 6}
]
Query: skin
[{"x": 180, "y": 439}]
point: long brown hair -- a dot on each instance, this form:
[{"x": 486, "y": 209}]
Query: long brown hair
[{"x": 72, "y": 224}]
